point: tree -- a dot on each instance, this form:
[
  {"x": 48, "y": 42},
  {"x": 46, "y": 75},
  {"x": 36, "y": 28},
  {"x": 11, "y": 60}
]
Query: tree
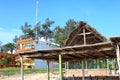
[
  {"x": 60, "y": 34},
  {"x": 8, "y": 46},
  {"x": 27, "y": 31},
  {"x": 36, "y": 29},
  {"x": 15, "y": 39},
  {"x": 45, "y": 30},
  {"x": 39, "y": 30},
  {"x": 70, "y": 25}
]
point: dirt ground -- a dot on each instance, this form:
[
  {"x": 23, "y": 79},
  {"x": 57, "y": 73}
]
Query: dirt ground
[{"x": 35, "y": 76}]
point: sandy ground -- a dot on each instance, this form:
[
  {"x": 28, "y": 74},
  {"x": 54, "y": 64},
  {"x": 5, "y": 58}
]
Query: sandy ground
[{"x": 35, "y": 76}]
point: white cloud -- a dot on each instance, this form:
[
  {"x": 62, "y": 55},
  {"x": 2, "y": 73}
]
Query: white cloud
[{"x": 7, "y": 35}]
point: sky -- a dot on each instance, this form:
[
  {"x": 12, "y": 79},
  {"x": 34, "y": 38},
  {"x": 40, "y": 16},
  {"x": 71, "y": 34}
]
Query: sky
[{"x": 103, "y": 15}]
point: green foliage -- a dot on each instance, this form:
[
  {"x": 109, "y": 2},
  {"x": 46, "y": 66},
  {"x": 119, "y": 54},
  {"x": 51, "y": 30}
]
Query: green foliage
[
  {"x": 70, "y": 25},
  {"x": 60, "y": 34},
  {"x": 45, "y": 29},
  {"x": 8, "y": 46},
  {"x": 5, "y": 60},
  {"x": 27, "y": 31},
  {"x": 41, "y": 30},
  {"x": 13, "y": 71},
  {"x": 15, "y": 39}
]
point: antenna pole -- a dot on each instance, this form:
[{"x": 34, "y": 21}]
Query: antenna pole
[
  {"x": 36, "y": 11},
  {"x": 36, "y": 35}
]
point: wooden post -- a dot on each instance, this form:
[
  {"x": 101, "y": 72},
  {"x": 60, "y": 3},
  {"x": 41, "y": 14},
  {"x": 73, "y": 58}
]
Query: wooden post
[
  {"x": 52, "y": 66},
  {"x": 86, "y": 64},
  {"x": 75, "y": 65},
  {"x": 60, "y": 67},
  {"x": 22, "y": 68},
  {"x": 67, "y": 68},
  {"x": 118, "y": 58},
  {"x": 48, "y": 70},
  {"x": 114, "y": 67},
  {"x": 98, "y": 64},
  {"x": 107, "y": 67},
  {"x": 83, "y": 62},
  {"x": 83, "y": 72}
]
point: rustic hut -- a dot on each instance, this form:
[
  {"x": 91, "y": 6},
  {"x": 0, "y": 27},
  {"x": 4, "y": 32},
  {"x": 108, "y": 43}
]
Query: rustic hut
[{"x": 83, "y": 44}]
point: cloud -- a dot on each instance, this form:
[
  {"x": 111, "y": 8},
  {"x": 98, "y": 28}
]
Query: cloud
[{"x": 7, "y": 35}]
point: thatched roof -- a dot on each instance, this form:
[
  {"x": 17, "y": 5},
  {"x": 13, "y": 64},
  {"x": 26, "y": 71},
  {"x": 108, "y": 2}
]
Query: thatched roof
[
  {"x": 116, "y": 40},
  {"x": 92, "y": 36}
]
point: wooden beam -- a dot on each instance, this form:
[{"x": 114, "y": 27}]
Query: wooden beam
[
  {"x": 99, "y": 37},
  {"x": 84, "y": 36},
  {"x": 90, "y": 45},
  {"x": 40, "y": 54},
  {"x": 89, "y": 51},
  {"x": 74, "y": 56},
  {"x": 91, "y": 56},
  {"x": 74, "y": 37},
  {"x": 84, "y": 33},
  {"x": 106, "y": 54}
]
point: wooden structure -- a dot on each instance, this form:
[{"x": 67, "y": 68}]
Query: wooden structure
[
  {"x": 24, "y": 46},
  {"x": 7, "y": 60},
  {"x": 83, "y": 43}
]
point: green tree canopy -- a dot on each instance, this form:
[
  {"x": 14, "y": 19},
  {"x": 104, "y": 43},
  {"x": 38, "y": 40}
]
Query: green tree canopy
[
  {"x": 15, "y": 39},
  {"x": 45, "y": 29},
  {"x": 39, "y": 30},
  {"x": 60, "y": 34},
  {"x": 27, "y": 31},
  {"x": 8, "y": 46}
]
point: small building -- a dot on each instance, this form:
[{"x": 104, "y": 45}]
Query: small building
[
  {"x": 24, "y": 46},
  {"x": 31, "y": 45}
]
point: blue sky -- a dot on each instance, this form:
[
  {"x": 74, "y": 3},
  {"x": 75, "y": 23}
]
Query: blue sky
[{"x": 104, "y": 15}]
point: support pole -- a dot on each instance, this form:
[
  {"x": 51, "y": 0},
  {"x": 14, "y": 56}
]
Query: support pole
[
  {"x": 48, "y": 70},
  {"x": 87, "y": 64},
  {"x": 96, "y": 64},
  {"x": 83, "y": 62},
  {"x": 60, "y": 67},
  {"x": 22, "y": 71},
  {"x": 67, "y": 68},
  {"x": 114, "y": 67},
  {"x": 83, "y": 72},
  {"x": 107, "y": 66},
  {"x": 118, "y": 58}
]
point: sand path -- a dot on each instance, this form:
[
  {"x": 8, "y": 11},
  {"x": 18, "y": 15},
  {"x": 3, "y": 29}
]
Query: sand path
[{"x": 34, "y": 76}]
